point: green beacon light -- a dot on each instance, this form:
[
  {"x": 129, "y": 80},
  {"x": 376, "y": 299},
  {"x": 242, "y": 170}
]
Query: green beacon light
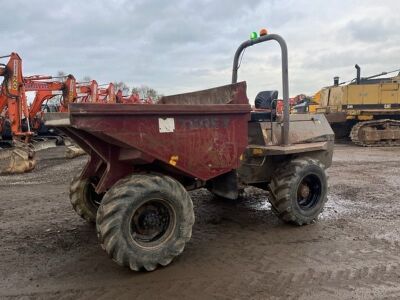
[{"x": 253, "y": 35}]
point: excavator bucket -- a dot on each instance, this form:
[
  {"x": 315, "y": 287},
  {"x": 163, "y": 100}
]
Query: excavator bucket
[
  {"x": 73, "y": 151},
  {"x": 21, "y": 160}
]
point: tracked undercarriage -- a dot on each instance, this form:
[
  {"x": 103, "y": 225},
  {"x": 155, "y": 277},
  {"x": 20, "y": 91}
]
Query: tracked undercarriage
[{"x": 377, "y": 133}]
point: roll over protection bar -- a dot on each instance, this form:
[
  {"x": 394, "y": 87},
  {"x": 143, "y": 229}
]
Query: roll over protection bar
[{"x": 285, "y": 76}]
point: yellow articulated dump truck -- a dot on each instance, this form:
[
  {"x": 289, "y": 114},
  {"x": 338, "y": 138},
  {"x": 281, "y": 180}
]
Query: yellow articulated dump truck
[{"x": 367, "y": 109}]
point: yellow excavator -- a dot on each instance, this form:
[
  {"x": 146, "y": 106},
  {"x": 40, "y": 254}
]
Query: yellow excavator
[{"x": 366, "y": 109}]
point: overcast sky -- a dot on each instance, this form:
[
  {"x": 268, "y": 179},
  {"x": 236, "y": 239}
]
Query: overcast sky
[{"x": 177, "y": 46}]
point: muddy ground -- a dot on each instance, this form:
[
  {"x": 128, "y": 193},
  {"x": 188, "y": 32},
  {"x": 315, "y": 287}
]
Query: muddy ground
[{"x": 238, "y": 250}]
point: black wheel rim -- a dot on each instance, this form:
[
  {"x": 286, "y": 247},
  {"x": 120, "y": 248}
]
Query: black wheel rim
[
  {"x": 309, "y": 192},
  {"x": 152, "y": 223},
  {"x": 92, "y": 197}
]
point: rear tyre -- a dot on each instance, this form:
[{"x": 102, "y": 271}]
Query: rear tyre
[
  {"x": 145, "y": 220},
  {"x": 84, "y": 199},
  {"x": 298, "y": 191}
]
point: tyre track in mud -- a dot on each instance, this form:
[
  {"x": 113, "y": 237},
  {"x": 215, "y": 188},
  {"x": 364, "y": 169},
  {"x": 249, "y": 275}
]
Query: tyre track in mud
[
  {"x": 274, "y": 283},
  {"x": 262, "y": 274},
  {"x": 238, "y": 250}
]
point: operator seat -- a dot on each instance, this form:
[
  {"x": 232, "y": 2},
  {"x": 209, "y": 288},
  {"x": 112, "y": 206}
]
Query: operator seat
[{"x": 265, "y": 104}]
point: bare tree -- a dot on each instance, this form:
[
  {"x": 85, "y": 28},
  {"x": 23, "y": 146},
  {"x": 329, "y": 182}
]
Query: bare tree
[
  {"x": 61, "y": 74},
  {"x": 122, "y": 86},
  {"x": 135, "y": 90},
  {"x": 86, "y": 79},
  {"x": 146, "y": 92}
]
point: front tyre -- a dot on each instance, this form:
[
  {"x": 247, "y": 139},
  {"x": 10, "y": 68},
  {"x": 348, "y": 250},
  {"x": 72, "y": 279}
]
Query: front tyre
[
  {"x": 298, "y": 191},
  {"x": 145, "y": 220}
]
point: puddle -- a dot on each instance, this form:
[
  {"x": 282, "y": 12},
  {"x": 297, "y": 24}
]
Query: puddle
[{"x": 334, "y": 208}]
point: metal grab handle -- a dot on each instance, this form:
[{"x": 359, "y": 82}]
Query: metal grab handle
[{"x": 285, "y": 76}]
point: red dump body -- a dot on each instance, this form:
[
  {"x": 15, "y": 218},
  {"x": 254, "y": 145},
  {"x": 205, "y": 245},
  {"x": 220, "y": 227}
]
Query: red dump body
[{"x": 196, "y": 135}]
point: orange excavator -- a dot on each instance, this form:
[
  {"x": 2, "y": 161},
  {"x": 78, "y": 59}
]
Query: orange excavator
[
  {"x": 47, "y": 88},
  {"x": 134, "y": 98},
  {"x": 70, "y": 92},
  {"x": 17, "y": 119},
  {"x": 14, "y": 108},
  {"x": 107, "y": 95},
  {"x": 87, "y": 91}
]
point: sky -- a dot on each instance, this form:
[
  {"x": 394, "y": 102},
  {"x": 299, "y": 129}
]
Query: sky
[{"x": 180, "y": 46}]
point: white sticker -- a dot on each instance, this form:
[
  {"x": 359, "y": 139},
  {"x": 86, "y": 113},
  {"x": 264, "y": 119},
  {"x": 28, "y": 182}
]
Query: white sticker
[{"x": 166, "y": 125}]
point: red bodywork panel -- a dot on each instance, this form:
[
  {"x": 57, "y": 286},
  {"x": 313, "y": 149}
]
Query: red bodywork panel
[{"x": 200, "y": 141}]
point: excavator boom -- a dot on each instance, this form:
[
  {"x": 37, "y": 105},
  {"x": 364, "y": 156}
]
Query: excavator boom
[
  {"x": 13, "y": 90},
  {"x": 87, "y": 92},
  {"x": 46, "y": 90},
  {"x": 107, "y": 95},
  {"x": 13, "y": 96}
]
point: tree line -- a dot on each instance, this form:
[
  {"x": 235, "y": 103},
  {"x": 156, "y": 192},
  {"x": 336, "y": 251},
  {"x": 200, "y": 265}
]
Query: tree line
[{"x": 143, "y": 91}]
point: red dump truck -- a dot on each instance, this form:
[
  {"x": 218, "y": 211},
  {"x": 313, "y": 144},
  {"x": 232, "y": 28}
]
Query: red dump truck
[{"x": 143, "y": 160}]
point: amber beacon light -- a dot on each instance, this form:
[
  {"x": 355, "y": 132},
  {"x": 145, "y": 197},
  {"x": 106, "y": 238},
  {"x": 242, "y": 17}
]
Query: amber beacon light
[{"x": 263, "y": 32}]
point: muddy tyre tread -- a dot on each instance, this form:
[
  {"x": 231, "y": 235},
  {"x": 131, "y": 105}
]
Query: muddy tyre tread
[
  {"x": 115, "y": 208},
  {"x": 281, "y": 189},
  {"x": 79, "y": 202}
]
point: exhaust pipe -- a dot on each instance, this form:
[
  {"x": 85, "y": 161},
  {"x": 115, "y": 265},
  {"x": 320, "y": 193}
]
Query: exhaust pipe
[
  {"x": 336, "y": 80},
  {"x": 358, "y": 78}
]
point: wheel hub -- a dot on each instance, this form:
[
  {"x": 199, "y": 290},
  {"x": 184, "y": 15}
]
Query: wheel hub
[
  {"x": 152, "y": 222},
  {"x": 304, "y": 190},
  {"x": 309, "y": 192}
]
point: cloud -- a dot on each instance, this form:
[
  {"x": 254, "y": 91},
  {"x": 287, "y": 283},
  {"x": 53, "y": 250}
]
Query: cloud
[{"x": 177, "y": 46}]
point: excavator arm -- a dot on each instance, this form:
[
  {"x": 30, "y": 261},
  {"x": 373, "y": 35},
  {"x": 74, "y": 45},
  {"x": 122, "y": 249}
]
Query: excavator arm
[
  {"x": 13, "y": 96},
  {"x": 46, "y": 90},
  {"x": 13, "y": 90},
  {"x": 40, "y": 98},
  {"x": 107, "y": 95},
  {"x": 87, "y": 92},
  {"x": 132, "y": 99},
  {"x": 68, "y": 92},
  {"x": 3, "y": 101}
]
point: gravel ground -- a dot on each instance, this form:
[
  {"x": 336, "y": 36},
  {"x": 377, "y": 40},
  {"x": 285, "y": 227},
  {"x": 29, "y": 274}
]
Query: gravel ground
[{"x": 238, "y": 250}]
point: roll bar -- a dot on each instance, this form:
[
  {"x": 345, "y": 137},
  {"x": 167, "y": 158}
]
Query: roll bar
[{"x": 285, "y": 76}]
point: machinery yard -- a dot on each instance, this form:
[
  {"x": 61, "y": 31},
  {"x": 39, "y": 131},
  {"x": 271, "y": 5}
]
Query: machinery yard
[
  {"x": 239, "y": 249},
  {"x": 145, "y": 153}
]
